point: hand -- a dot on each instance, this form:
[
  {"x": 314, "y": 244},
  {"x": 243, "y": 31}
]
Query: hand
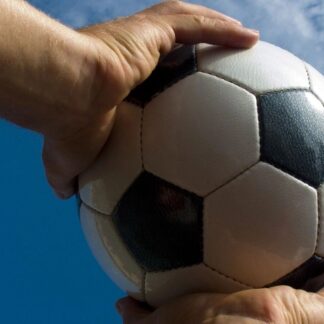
[
  {"x": 125, "y": 52},
  {"x": 278, "y": 305}
]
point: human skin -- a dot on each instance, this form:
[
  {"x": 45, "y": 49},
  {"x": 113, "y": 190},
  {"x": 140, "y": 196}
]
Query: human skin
[
  {"x": 65, "y": 84},
  {"x": 277, "y": 305}
]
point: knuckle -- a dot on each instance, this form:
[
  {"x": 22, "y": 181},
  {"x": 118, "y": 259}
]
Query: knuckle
[
  {"x": 164, "y": 33},
  {"x": 174, "y": 3},
  {"x": 167, "y": 6},
  {"x": 227, "y": 27},
  {"x": 283, "y": 301},
  {"x": 200, "y": 20},
  {"x": 169, "y": 33},
  {"x": 139, "y": 18}
]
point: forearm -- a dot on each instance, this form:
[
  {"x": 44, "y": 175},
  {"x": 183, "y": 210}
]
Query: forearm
[{"x": 42, "y": 64}]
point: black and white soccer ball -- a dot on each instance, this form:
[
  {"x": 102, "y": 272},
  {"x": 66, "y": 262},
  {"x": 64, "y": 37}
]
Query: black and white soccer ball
[{"x": 212, "y": 179}]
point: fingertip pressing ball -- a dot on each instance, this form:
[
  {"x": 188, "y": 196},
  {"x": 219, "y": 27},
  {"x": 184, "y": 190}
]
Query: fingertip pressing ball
[{"x": 212, "y": 179}]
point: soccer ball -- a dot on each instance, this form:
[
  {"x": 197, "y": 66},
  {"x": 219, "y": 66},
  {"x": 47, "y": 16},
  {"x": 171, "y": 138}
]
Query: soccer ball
[{"x": 212, "y": 179}]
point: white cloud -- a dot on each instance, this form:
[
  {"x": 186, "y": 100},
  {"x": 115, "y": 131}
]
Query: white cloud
[{"x": 296, "y": 25}]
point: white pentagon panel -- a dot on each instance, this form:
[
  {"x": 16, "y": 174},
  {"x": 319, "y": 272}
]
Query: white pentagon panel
[
  {"x": 320, "y": 239},
  {"x": 262, "y": 68},
  {"x": 200, "y": 133},
  {"x": 118, "y": 165},
  {"x": 160, "y": 287},
  {"x": 260, "y": 226},
  {"x": 316, "y": 82},
  {"x": 110, "y": 252}
]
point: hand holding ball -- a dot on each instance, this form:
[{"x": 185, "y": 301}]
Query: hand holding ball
[{"x": 212, "y": 177}]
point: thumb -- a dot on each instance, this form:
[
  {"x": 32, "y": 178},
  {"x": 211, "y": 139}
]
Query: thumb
[{"x": 132, "y": 311}]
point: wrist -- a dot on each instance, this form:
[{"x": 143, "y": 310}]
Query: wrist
[{"x": 47, "y": 71}]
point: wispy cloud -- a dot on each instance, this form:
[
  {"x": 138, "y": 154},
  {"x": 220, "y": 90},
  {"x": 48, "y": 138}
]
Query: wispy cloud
[{"x": 296, "y": 25}]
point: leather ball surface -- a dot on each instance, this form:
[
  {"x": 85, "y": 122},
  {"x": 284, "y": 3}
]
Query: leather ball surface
[{"x": 212, "y": 178}]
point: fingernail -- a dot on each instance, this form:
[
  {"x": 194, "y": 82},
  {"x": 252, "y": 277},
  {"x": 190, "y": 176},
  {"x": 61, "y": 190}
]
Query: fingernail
[
  {"x": 120, "y": 306},
  {"x": 254, "y": 31},
  {"x": 235, "y": 21},
  {"x": 60, "y": 194},
  {"x": 63, "y": 195}
]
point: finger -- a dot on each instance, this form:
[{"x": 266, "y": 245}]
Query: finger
[
  {"x": 299, "y": 304},
  {"x": 178, "y": 7},
  {"x": 321, "y": 291},
  {"x": 190, "y": 309},
  {"x": 132, "y": 311},
  {"x": 65, "y": 158},
  {"x": 62, "y": 187},
  {"x": 66, "y": 191},
  {"x": 198, "y": 29}
]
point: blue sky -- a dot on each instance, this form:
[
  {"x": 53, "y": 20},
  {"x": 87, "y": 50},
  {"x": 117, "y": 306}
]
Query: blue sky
[{"x": 47, "y": 274}]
